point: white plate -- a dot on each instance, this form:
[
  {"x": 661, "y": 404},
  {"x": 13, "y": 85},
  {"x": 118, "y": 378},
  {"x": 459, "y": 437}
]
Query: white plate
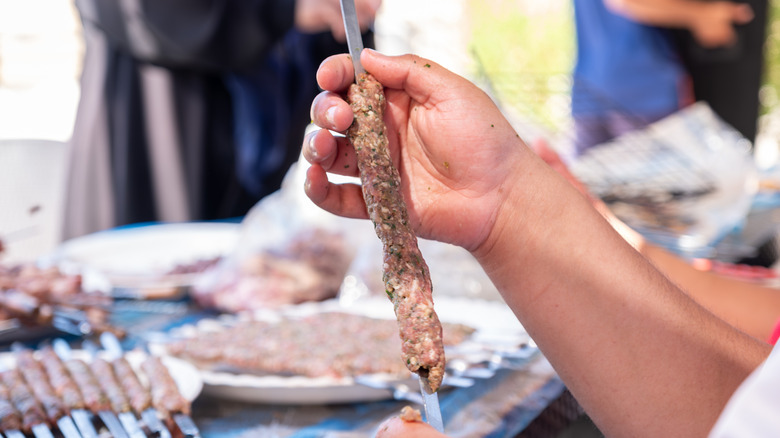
[
  {"x": 290, "y": 390},
  {"x": 497, "y": 329},
  {"x": 143, "y": 256},
  {"x": 187, "y": 377}
]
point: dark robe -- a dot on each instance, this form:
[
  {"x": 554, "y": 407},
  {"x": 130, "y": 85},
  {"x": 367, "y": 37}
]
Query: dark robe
[{"x": 190, "y": 109}]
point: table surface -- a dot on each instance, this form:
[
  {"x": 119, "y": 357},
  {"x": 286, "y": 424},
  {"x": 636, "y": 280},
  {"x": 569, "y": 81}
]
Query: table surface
[{"x": 501, "y": 406}]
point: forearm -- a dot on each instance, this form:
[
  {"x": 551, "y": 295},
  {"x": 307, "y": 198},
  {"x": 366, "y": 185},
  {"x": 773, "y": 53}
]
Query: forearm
[
  {"x": 664, "y": 13},
  {"x": 627, "y": 342},
  {"x": 751, "y": 307}
]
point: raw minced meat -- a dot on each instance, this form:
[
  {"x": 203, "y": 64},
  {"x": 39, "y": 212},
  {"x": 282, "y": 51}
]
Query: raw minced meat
[{"x": 405, "y": 273}]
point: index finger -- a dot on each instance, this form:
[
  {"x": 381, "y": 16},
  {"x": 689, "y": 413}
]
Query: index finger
[
  {"x": 336, "y": 73},
  {"x": 423, "y": 80}
]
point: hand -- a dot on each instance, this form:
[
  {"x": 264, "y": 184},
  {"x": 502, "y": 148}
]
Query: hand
[
  {"x": 453, "y": 148},
  {"x": 714, "y": 25},
  {"x": 396, "y": 427},
  {"x": 325, "y": 15}
]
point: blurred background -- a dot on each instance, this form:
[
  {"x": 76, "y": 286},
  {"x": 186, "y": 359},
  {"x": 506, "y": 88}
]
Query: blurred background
[
  {"x": 40, "y": 63},
  {"x": 522, "y": 51},
  {"x": 689, "y": 183}
]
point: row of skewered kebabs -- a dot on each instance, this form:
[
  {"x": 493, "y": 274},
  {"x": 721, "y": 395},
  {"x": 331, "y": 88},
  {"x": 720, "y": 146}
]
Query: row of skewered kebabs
[
  {"x": 35, "y": 296},
  {"x": 47, "y": 394}
]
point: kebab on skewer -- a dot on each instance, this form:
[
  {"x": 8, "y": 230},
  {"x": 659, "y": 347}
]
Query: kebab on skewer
[
  {"x": 46, "y": 296},
  {"x": 120, "y": 405},
  {"x": 67, "y": 390},
  {"x": 94, "y": 398},
  {"x": 140, "y": 397},
  {"x": 32, "y": 414},
  {"x": 10, "y": 417},
  {"x": 405, "y": 273},
  {"x": 166, "y": 398},
  {"x": 37, "y": 380}
]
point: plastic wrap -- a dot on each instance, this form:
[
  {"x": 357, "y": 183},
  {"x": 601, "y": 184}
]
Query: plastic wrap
[
  {"x": 289, "y": 251},
  {"x": 684, "y": 182},
  {"x": 454, "y": 273}
]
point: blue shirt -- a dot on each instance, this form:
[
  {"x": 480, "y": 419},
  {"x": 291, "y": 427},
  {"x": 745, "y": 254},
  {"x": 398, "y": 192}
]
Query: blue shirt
[{"x": 623, "y": 66}]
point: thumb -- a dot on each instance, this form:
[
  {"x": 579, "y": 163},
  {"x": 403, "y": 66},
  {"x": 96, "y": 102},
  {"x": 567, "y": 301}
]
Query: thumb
[{"x": 421, "y": 78}]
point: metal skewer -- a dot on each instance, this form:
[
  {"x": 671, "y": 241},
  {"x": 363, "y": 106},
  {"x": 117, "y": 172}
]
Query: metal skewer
[
  {"x": 166, "y": 397},
  {"x": 355, "y": 45},
  {"x": 140, "y": 397},
  {"x": 33, "y": 417},
  {"x": 67, "y": 390},
  {"x": 35, "y": 375},
  {"x": 111, "y": 387},
  {"x": 94, "y": 397},
  {"x": 10, "y": 418},
  {"x": 431, "y": 404}
]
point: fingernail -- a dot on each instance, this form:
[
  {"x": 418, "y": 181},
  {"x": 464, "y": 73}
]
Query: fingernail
[
  {"x": 375, "y": 53},
  {"x": 330, "y": 116},
  {"x": 312, "y": 149}
]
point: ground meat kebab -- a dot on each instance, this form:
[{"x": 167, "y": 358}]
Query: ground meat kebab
[{"x": 405, "y": 273}]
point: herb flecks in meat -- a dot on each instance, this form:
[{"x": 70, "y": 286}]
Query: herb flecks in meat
[{"x": 405, "y": 273}]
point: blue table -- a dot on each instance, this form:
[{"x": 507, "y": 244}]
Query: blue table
[{"x": 502, "y": 406}]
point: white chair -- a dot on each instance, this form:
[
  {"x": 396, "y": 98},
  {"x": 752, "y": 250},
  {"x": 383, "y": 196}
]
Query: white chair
[{"x": 32, "y": 177}]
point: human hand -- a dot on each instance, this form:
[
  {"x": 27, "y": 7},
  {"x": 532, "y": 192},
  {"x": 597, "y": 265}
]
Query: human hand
[
  {"x": 396, "y": 427},
  {"x": 452, "y": 147},
  {"x": 713, "y": 24},
  {"x": 313, "y": 16}
]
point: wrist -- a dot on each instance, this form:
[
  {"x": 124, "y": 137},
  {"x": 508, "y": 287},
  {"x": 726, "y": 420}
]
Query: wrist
[
  {"x": 534, "y": 220},
  {"x": 508, "y": 207},
  {"x": 546, "y": 227}
]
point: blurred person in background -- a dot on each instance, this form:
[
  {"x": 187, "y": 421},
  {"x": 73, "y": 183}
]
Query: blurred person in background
[
  {"x": 629, "y": 71},
  {"x": 193, "y": 109},
  {"x": 728, "y": 77}
]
